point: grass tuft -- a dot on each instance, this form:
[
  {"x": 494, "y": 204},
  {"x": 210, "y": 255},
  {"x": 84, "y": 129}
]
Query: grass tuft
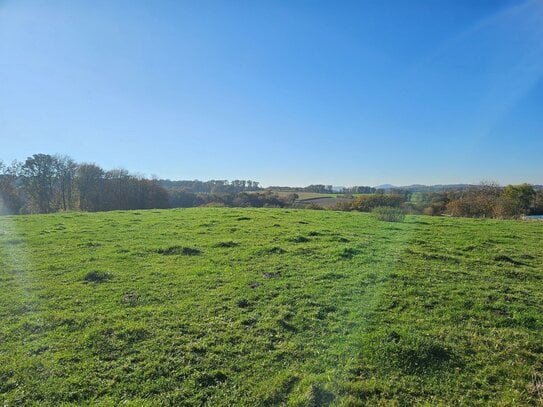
[
  {"x": 97, "y": 277},
  {"x": 348, "y": 253},
  {"x": 411, "y": 352},
  {"x": 506, "y": 259},
  {"x": 299, "y": 239},
  {"x": 388, "y": 214},
  {"x": 179, "y": 250},
  {"x": 226, "y": 244},
  {"x": 271, "y": 250}
]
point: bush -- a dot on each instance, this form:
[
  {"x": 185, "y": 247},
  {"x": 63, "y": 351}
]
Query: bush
[
  {"x": 506, "y": 208},
  {"x": 389, "y": 214},
  {"x": 343, "y": 205},
  {"x": 313, "y": 206},
  {"x": 214, "y": 205},
  {"x": 366, "y": 203}
]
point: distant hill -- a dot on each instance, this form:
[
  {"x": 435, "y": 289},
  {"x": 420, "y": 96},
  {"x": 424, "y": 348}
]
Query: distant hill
[
  {"x": 386, "y": 186},
  {"x": 435, "y": 188}
]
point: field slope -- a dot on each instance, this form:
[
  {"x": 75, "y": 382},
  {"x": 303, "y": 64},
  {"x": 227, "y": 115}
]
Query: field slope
[{"x": 269, "y": 306}]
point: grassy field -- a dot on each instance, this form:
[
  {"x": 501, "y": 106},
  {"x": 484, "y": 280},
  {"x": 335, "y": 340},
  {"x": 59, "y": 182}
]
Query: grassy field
[{"x": 269, "y": 306}]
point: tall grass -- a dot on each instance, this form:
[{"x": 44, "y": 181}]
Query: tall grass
[{"x": 389, "y": 214}]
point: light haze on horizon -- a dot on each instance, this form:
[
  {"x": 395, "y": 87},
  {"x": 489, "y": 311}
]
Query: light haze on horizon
[{"x": 285, "y": 93}]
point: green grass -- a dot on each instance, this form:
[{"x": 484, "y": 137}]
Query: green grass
[{"x": 269, "y": 306}]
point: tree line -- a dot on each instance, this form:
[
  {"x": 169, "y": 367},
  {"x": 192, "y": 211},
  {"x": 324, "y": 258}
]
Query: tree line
[
  {"x": 486, "y": 200},
  {"x": 46, "y": 183},
  {"x": 211, "y": 187},
  {"x": 326, "y": 189}
]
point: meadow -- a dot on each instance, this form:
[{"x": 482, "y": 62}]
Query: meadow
[{"x": 218, "y": 306}]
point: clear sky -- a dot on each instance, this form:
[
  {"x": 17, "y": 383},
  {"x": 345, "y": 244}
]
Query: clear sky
[{"x": 283, "y": 92}]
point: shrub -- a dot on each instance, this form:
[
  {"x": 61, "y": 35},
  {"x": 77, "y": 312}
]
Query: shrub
[
  {"x": 507, "y": 208},
  {"x": 214, "y": 205},
  {"x": 343, "y": 205},
  {"x": 365, "y": 203},
  {"x": 389, "y": 214}
]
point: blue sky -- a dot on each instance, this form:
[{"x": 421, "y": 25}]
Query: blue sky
[{"x": 283, "y": 92}]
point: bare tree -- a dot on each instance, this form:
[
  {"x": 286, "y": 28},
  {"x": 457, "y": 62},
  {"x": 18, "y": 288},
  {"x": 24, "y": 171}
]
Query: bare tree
[
  {"x": 10, "y": 196},
  {"x": 89, "y": 181},
  {"x": 39, "y": 172},
  {"x": 65, "y": 172}
]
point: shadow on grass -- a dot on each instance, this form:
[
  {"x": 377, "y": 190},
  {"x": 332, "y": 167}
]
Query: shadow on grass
[
  {"x": 507, "y": 259},
  {"x": 97, "y": 277},
  {"x": 226, "y": 244},
  {"x": 179, "y": 250}
]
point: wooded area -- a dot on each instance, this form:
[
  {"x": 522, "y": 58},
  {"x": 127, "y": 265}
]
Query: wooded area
[{"x": 51, "y": 183}]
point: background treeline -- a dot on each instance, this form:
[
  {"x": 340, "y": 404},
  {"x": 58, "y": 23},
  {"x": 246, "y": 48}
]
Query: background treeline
[
  {"x": 50, "y": 183},
  {"x": 326, "y": 189},
  {"x": 269, "y": 199},
  {"x": 211, "y": 187},
  {"x": 46, "y": 183},
  {"x": 485, "y": 200}
]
